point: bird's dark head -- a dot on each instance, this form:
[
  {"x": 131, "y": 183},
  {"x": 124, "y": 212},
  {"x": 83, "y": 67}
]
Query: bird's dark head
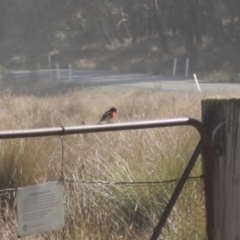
[{"x": 113, "y": 109}]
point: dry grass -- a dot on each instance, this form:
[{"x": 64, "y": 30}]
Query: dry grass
[{"x": 99, "y": 211}]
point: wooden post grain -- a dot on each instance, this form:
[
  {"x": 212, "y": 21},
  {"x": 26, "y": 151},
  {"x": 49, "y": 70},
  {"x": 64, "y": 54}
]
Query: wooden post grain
[{"x": 221, "y": 117}]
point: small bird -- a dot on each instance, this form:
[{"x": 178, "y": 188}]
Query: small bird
[{"x": 107, "y": 116}]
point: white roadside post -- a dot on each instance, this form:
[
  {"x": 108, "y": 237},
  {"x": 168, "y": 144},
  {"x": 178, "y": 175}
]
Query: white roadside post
[
  {"x": 187, "y": 67},
  {"x": 174, "y": 66},
  {"x": 58, "y": 72},
  {"x": 70, "y": 72},
  {"x": 196, "y": 81},
  {"x": 49, "y": 60}
]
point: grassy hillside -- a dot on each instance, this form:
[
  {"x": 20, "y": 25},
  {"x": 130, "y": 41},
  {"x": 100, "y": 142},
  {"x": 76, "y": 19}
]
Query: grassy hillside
[{"x": 213, "y": 63}]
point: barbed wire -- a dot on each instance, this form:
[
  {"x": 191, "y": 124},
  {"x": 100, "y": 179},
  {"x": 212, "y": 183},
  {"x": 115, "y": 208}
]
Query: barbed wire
[
  {"x": 68, "y": 180},
  {"x": 128, "y": 183},
  {"x": 7, "y": 191}
]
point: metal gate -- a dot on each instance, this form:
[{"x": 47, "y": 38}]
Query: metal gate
[{"x": 61, "y": 131}]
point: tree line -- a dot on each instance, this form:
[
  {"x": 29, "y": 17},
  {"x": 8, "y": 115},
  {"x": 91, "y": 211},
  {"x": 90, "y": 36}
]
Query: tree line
[{"x": 41, "y": 22}]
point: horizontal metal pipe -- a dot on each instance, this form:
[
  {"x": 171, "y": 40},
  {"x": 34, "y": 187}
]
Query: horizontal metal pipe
[{"x": 54, "y": 131}]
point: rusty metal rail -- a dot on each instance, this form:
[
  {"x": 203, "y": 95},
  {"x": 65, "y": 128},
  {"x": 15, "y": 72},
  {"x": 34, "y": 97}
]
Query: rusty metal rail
[{"x": 204, "y": 140}]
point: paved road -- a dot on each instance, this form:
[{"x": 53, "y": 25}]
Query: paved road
[{"x": 103, "y": 78}]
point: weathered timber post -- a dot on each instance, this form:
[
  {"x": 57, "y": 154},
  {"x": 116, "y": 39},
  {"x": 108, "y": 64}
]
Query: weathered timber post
[{"x": 221, "y": 117}]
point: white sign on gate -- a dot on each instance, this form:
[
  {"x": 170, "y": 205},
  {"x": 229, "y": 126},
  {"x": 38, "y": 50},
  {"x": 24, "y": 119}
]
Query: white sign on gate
[{"x": 40, "y": 208}]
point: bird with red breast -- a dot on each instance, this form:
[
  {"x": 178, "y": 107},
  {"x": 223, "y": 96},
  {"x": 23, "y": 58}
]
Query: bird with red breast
[{"x": 108, "y": 115}]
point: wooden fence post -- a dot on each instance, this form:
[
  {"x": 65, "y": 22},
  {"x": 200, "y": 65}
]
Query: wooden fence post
[{"x": 221, "y": 117}]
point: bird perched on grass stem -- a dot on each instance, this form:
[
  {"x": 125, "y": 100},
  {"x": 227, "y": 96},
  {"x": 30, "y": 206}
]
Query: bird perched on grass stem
[{"x": 108, "y": 115}]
